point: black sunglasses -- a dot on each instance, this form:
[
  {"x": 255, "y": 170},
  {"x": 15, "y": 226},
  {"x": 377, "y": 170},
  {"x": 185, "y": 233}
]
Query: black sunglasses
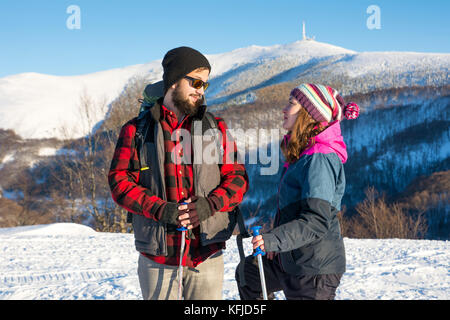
[{"x": 197, "y": 83}]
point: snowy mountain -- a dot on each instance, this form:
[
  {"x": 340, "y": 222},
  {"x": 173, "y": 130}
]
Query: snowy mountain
[
  {"x": 402, "y": 134},
  {"x": 39, "y": 106},
  {"x": 67, "y": 261}
]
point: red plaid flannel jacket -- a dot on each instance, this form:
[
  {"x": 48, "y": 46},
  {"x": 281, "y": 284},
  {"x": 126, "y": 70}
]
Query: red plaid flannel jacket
[{"x": 123, "y": 179}]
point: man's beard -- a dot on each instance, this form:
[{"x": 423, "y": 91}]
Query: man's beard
[{"x": 185, "y": 105}]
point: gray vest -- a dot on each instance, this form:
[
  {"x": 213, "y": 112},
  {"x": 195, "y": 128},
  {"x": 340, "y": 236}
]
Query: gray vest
[{"x": 150, "y": 235}]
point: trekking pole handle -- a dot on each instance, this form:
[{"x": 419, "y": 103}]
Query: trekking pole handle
[
  {"x": 256, "y": 232},
  {"x": 182, "y": 228}
]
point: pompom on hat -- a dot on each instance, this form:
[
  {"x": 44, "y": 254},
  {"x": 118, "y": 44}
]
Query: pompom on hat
[
  {"x": 351, "y": 111},
  {"x": 323, "y": 103}
]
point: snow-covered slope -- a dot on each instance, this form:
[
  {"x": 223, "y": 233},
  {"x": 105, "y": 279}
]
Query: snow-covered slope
[
  {"x": 302, "y": 50},
  {"x": 38, "y": 105},
  {"x": 73, "y": 262},
  {"x": 244, "y": 68}
]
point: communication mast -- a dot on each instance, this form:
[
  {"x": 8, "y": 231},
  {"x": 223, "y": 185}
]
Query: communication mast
[{"x": 304, "y": 37}]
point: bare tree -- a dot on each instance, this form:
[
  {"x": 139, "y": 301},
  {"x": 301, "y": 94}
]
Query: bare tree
[
  {"x": 85, "y": 195},
  {"x": 377, "y": 219},
  {"x": 26, "y": 209}
]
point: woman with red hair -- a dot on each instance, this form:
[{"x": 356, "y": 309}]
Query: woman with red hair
[{"x": 305, "y": 249}]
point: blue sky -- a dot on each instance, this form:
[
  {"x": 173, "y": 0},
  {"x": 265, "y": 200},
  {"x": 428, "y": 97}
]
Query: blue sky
[{"x": 115, "y": 33}]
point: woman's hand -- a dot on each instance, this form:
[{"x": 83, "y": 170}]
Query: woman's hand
[
  {"x": 271, "y": 255},
  {"x": 258, "y": 241}
]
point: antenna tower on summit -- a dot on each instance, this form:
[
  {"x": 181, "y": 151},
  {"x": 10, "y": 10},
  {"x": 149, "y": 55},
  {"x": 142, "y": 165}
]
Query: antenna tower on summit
[{"x": 304, "y": 37}]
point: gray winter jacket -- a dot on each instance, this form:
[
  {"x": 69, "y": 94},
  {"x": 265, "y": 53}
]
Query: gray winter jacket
[{"x": 306, "y": 232}]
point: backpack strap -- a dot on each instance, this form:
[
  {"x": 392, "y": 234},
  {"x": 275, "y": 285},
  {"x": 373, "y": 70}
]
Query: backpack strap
[
  {"x": 211, "y": 119},
  {"x": 141, "y": 134},
  {"x": 142, "y": 128},
  {"x": 243, "y": 233}
]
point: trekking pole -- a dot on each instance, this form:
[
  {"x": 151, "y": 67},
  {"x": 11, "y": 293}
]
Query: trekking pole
[
  {"x": 259, "y": 253},
  {"x": 180, "y": 266}
]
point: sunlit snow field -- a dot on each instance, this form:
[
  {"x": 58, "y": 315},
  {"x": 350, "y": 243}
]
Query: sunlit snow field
[{"x": 67, "y": 261}]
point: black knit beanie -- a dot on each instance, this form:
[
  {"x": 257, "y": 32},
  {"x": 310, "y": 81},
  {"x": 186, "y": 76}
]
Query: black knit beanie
[{"x": 179, "y": 62}]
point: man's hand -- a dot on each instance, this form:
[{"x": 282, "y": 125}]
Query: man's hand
[
  {"x": 195, "y": 211},
  {"x": 184, "y": 216}
]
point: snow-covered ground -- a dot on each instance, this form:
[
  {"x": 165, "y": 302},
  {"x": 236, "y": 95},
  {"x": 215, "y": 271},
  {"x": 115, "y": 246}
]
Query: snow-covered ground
[{"x": 73, "y": 262}]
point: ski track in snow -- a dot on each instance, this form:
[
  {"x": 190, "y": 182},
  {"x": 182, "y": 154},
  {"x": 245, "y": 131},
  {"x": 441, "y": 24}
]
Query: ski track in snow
[{"x": 72, "y": 262}]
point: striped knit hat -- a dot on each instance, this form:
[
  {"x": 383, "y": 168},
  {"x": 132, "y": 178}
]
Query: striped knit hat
[{"x": 324, "y": 103}]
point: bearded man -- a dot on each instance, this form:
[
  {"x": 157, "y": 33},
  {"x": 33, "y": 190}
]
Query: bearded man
[{"x": 153, "y": 176}]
